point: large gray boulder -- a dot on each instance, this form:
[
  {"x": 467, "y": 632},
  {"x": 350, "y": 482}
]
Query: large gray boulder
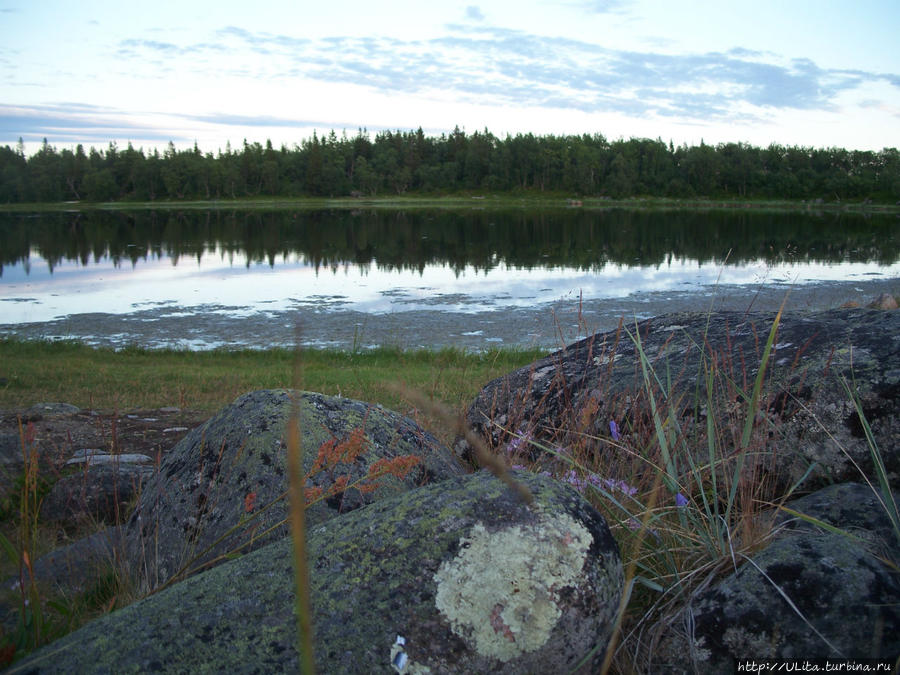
[
  {"x": 573, "y": 394},
  {"x": 210, "y": 494},
  {"x": 811, "y": 593},
  {"x": 456, "y": 577}
]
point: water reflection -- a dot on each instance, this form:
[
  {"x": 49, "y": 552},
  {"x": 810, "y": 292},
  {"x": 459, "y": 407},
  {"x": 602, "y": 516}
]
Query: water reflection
[
  {"x": 392, "y": 240},
  {"x": 243, "y": 264}
]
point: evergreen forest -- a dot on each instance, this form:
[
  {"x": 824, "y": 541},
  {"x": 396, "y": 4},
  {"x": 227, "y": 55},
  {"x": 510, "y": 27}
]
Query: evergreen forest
[{"x": 400, "y": 163}]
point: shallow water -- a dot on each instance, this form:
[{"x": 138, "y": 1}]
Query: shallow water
[{"x": 546, "y": 325}]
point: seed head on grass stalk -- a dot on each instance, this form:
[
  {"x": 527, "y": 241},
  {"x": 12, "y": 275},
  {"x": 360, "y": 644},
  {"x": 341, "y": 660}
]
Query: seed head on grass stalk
[
  {"x": 298, "y": 525},
  {"x": 484, "y": 456}
]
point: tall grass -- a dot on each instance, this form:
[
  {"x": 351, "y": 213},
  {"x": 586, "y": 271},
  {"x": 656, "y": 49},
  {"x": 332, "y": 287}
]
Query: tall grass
[{"x": 683, "y": 483}]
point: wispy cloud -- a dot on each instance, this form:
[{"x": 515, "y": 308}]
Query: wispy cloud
[
  {"x": 76, "y": 123},
  {"x": 604, "y": 6},
  {"x": 472, "y": 62},
  {"x": 481, "y": 63}
]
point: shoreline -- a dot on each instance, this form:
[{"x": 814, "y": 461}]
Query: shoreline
[
  {"x": 466, "y": 201},
  {"x": 548, "y": 326}
]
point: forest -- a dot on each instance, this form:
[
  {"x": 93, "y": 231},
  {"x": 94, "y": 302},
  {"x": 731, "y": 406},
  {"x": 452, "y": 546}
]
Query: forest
[{"x": 411, "y": 162}]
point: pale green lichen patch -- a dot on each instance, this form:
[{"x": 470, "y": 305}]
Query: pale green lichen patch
[{"x": 501, "y": 591}]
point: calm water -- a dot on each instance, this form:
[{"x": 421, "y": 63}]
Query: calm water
[{"x": 425, "y": 278}]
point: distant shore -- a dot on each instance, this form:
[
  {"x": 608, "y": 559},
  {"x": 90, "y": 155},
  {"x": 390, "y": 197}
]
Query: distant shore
[{"x": 464, "y": 201}]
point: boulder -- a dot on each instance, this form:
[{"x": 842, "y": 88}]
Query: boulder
[
  {"x": 456, "y": 577},
  {"x": 99, "y": 492},
  {"x": 845, "y": 605},
  {"x": 222, "y": 488},
  {"x": 576, "y": 392},
  {"x": 11, "y": 462},
  {"x": 855, "y": 508},
  {"x": 77, "y": 566},
  {"x": 846, "y": 599},
  {"x": 10, "y": 451}
]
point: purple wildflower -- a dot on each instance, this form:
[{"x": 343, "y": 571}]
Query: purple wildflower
[
  {"x": 572, "y": 479},
  {"x": 681, "y": 500},
  {"x": 561, "y": 451},
  {"x": 610, "y": 484},
  {"x": 518, "y": 442},
  {"x": 614, "y": 430},
  {"x": 621, "y": 486}
]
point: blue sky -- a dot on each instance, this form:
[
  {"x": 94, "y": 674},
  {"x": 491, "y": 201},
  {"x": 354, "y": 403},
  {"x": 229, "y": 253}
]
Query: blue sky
[{"x": 815, "y": 73}]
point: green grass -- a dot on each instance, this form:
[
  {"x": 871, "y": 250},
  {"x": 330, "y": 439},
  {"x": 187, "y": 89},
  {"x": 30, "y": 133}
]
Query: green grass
[{"x": 131, "y": 378}]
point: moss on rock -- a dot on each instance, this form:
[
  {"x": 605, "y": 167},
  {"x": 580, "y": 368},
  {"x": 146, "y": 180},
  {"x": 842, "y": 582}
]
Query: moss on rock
[
  {"x": 210, "y": 492},
  {"x": 380, "y": 573}
]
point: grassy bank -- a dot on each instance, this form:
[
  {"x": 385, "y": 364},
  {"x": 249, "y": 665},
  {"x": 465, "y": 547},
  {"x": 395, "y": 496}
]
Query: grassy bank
[
  {"x": 70, "y": 372},
  {"x": 478, "y": 200}
]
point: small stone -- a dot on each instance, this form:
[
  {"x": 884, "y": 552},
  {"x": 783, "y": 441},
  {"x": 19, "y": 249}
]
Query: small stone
[{"x": 106, "y": 458}]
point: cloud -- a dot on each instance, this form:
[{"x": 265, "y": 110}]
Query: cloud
[
  {"x": 474, "y": 13},
  {"x": 72, "y": 123},
  {"x": 604, "y": 6},
  {"x": 490, "y": 65},
  {"x": 76, "y": 123}
]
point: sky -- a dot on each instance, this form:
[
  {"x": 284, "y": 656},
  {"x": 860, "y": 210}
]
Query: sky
[{"x": 820, "y": 73}]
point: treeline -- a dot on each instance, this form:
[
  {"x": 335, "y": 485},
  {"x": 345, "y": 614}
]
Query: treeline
[{"x": 396, "y": 163}]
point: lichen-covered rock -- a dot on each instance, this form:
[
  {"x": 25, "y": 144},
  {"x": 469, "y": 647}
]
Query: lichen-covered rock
[
  {"x": 574, "y": 393},
  {"x": 846, "y": 604},
  {"x": 210, "y": 494},
  {"x": 456, "y": 577}
]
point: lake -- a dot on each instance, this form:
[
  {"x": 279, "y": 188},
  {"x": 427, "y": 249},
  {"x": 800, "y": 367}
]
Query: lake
[{"x": 474, "y": 279}]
